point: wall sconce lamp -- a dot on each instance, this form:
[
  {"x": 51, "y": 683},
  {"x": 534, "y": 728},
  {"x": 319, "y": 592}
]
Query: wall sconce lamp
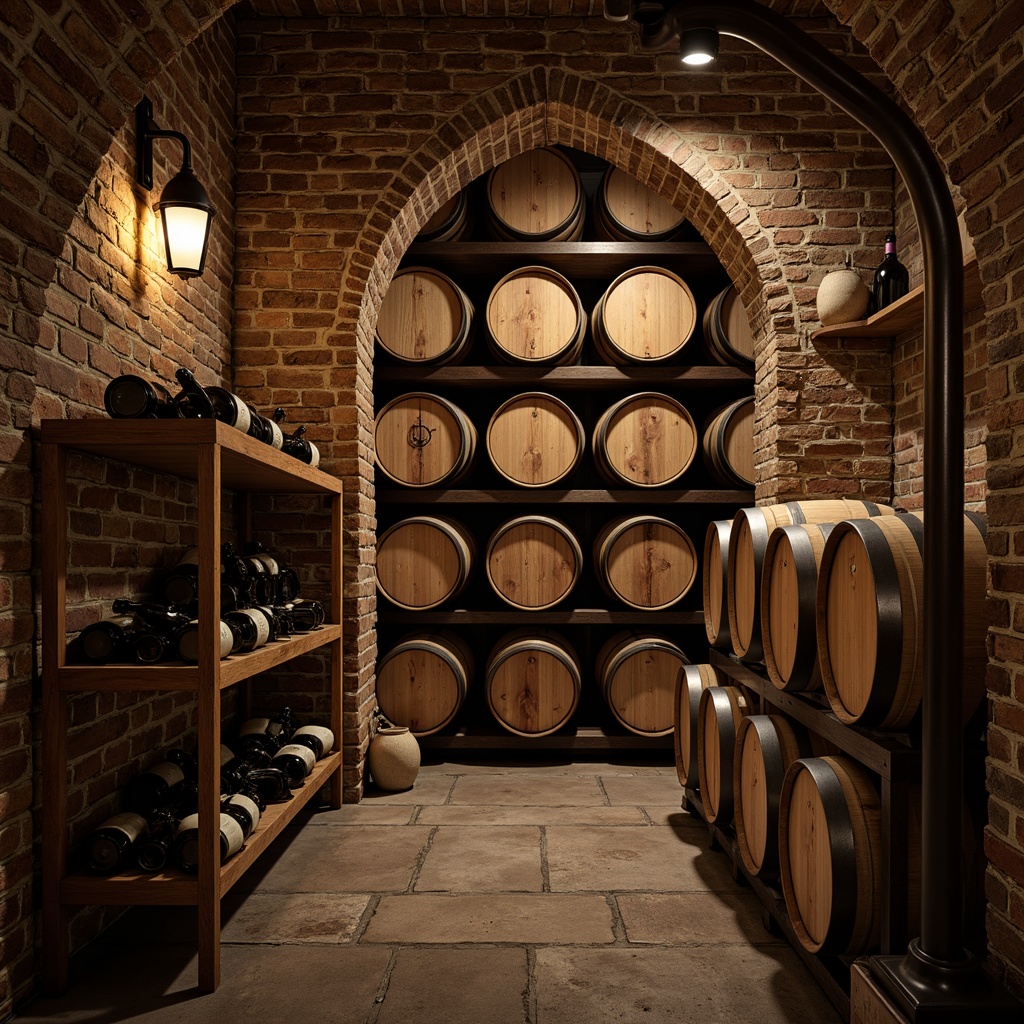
[
  {"x": 185, "y": 208},
  {"x": 937, "y": 981},
  {"x": 698, "y": 46}
]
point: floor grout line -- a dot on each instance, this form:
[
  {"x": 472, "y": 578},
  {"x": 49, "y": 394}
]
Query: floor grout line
[{"x": 545, "y": 867}]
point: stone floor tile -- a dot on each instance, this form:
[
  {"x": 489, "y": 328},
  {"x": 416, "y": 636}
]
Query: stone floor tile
[
  {"x": 535, "y": 791},
  {"x": 373, "y": 858},
  {"x": 291, "y": 917},
  {"x": 456, "y": 986},
  {"x": 428, "y": 789},
  {"x": 364, "y": 813},
  {"x": 693, "y": 918},
  {"x": 555, "y": 766},
  {"x": 674, "y": 816},
  {"x": 546, "y": 918},
  {"x": 486, "y": 815},
  {"x": 636, "y": 790},
  {"x": 479, "y": 858},
  {"x": 695, "y": 985},
  {"x": 593, "y": 858},
  {"x": 258, "y": 983}
]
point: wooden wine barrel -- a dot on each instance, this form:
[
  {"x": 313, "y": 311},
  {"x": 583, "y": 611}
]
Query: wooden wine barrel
[
  {"x": 626, "y": 210},
  {"x": 645, "y": 561},
  {"x": 691, "y": 682},
  {"x": 789, "y": 585},
  {"x": 534, "y": 197},
  {"x": 423, "y": 440},
  {"x": 422, "y": 681},
  {"x": 425, "y": 318},
  {"x": 830, "y": 854},
  {"x": 748, "y": 540},
  {"x": 533, "y": 682},
  {"x": 728, "y": 444},
  {"x": 637, "y": 674},
  {"x": 727, "y": 331},
  {"x": 646, "y": 315},
  {"x": 870, "y": 619},
  {"x": 533, "y": 562},
  {"x": 424, "y": 561},
  {"x": 535, "y": 440},
  {"x": 713, "y": 579},
  {"x": 449, "y": 222},
  {"x": 535, "y": 316},
  {"x": 721, "y": 710},
  {"x": 766, "y": 745},
  {"x": 645, "y": 440}
]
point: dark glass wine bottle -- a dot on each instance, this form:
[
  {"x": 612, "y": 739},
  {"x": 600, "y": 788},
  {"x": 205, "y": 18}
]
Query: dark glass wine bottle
[
  {"x": 150, "y": 648},
  {"x": 306, "y": 615},
  {"x": 287, "y": 584},
  {"x": 244, "y": 809},
  {"x": 108, "y": 640},
  {"x": 296, "y": 760},
  {"x": 318, "y": 738},
  {"x": 299, "y": 448},
  {"x": 186, "y": 641},
  {"x": 252, "y": 627},
  {"x": 268, "y": 734},
  {"x": 153, "y": 851},
  {"x": 110, "y": 848},
  {"x": 892, "y": 281},
  {"x": 192, "y": 402},
  {"x": 165, "y": 620},
  {"x": 132, "y": 397},
  {"x": 186, "y": 840},
  {"x": 159, "y": 785},
  {"x": 229, "y": 409}
]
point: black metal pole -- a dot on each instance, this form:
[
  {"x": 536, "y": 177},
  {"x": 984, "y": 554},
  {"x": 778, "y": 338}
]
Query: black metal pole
[{"x": 937, "y": 974}]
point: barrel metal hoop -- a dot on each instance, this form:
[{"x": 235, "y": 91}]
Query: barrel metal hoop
[
  {"x": 759, "y": 543},
  {"x": 774, "y": 774},
  {"x": 806, "y": 657},
  {"x": 726, "y": 749}
]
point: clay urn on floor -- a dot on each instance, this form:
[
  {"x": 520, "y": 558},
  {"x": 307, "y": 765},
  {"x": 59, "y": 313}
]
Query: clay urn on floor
[{"x": 393, "y": 756}]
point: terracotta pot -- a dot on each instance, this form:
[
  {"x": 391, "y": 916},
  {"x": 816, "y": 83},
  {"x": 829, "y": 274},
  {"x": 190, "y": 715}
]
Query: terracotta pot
[
  {"x": 394, "y": 758},
  {"x": 842, "y": 297}
]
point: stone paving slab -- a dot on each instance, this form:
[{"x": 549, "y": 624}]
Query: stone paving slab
[
  {"x": 428, "y": 789},
  {"x": 675, "y": 919},
  {"x": 535, "y": 791},
  {"x": 291, "y": 917},
  {"x": 258, "y": 983},
  {"x": 481, "y": 858},
  {"x": 555, "y": 766},
  {"x": 592, "y": 858},
  {"x": 694, "y": 985},
  {"x": 366, "y": 813},
  {"x": 487, "y": 815},
  {"x": 456, "y": 986},
  {"x": 635, "y": 790},
  {"x": 373, "y": 858},
  {"x": 545, "y": 918}
]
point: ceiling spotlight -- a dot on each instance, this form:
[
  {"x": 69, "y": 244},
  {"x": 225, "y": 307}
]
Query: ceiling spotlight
[{"x": 698, "y": 46}]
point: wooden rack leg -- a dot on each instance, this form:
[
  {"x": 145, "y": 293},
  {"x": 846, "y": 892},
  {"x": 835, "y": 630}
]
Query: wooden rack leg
[{"x": 336, "y": 648}]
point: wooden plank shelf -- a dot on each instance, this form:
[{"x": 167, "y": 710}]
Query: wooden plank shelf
[
  {"x": 540, "y": 496},
  {"x": 174, "y": 887},
  {"x": 581, "y": 738},
  {"x": 566, "y": 377},
  {"x": 177, "y": 676},
  {"x": 575, "y": 259},
  {"x": 906, "y": 314},
  {"x": 574, "y": 617}
]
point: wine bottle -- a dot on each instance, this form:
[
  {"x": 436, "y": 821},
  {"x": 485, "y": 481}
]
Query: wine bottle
[
  {"x": 287, "y": 584},
  {"x": 132, "y": 397},
  {"x": 274, "y": 624},
  {"x": 165, "y": 620},
  {"x": 186, "y": 641},
  {"x": 271, "y": 784},
  {"x": 299, "y": 448},
  {"x": 252, "y": 627},
  {"x": 296, "y": 760},
  {"x": 149, "y": 648},
  {"x": 186, "y": 840},
  {"x": 892, "y": 281},
  {"x": 268, "y": 734},
  {"x": 229, "y": 409},
  {"x": 159, "y": 785},
  {"x": 318, "y": 738},
  {"x": 153, "y": 850},
  {"x": 110, "y": 847},
  {"x": 306, "y": 615},
  {"x": 108, "y": 640},
  {"x": 261, "y": 590},
  {"x": 244, "y": 809},
  {"x": 192, "y": 402},
  {"x": 181, "y": 584}
]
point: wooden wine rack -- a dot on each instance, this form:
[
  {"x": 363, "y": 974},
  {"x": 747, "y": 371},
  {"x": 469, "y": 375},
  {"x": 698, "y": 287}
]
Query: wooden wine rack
[
  {"x": 217, "y": 457},
  {"x": 479, "y": 386}
]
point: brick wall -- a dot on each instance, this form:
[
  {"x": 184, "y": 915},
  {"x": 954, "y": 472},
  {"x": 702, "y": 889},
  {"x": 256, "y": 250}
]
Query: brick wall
[{"x": 351, "y": 130}]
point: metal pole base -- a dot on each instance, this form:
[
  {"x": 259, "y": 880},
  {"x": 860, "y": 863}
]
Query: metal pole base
[{"x": 930, "y": 991}]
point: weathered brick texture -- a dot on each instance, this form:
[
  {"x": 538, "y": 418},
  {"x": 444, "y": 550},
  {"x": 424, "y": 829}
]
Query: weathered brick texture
[{"x": 355, "y": 119}]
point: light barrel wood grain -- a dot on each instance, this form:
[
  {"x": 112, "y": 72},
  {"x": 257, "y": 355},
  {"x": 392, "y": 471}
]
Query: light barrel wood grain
[
  {"x": 728, "y": 336},
  {"x": 637, "y": 674},
  {"x": 424, "y": 561},
  {"x": 533, "y": 562},
  {"x": 626, "y": 210},
  {"x": 713, "y": 582},
  {"x": 535, "y": 440},
  {"x": 728, "y": 444},
  {"x": 721, "y": 710},
  {"x": 536, "y": 196},
  {"x": 691, "y": 682}
]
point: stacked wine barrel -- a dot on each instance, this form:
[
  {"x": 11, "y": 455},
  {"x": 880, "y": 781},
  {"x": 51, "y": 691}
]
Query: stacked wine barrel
[
  {"x": 826, "y": 599},
  {"x": 488, "y": 548}
]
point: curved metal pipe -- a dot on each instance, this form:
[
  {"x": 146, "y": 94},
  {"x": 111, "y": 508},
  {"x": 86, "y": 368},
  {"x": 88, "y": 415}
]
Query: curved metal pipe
[{"x": 941, "y": 938}]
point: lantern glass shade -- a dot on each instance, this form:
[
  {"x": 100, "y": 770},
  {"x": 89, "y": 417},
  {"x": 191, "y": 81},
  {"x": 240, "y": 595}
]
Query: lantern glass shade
[{"x": 186, "y": 213}]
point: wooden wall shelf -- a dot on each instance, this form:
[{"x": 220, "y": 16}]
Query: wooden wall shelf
[
  {"x": 543, "y": 496},
  {"x": 565, "y": 377},
  {"x": 906, "y": 314}
]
